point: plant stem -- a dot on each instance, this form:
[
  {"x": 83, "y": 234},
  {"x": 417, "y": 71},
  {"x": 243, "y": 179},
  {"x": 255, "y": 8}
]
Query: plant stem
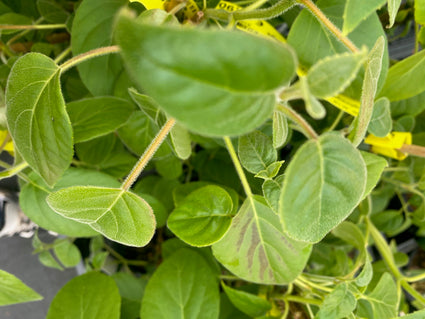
[
  {"x": 21, "y": 34},
  {"x": 122, "y": 259},
  {"x": 63, "y": 54},
  {"x": 415, "y": 278},
  {"x": 32, "y": 26},
  {"x": 294, "y": 116},
  {"x": 238, "y": 166},
  {"x": 147, "y": 155},
  {"x": 336, "y": 121},
  {"x": 328, "y": 24},
  {"x": 260, "y": 14},
  {"x": 413, "y": 292},
  {"x": 314, "y": 285},
  {"x": 87, "y": 56},
  {"x": 304, "y": 300}
]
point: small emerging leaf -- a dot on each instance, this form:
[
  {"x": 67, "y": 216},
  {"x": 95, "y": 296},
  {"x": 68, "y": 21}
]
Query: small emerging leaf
[
  {"x": 280, "y": 129},
  {"x": 271, "y": 171},
  {"x": 67, "y": 253}
]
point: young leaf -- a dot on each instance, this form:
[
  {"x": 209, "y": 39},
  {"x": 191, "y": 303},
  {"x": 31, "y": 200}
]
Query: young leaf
[
  {"x": 203, "y": 217},
  {"x": 13, "y": 291},
  {"x": 249, "y": 304},
  {"x": 46, "y": 258},
  {"x": 36, "y": 116},
  {"x": 406, "y": 78},
  {"x": 181, "y": 141},
  {"x": 271, "y": 190},
  {"x": 351, "y": 234},
  {"x": 370, "y": 85},
  {"x": 117, "y": 214},
  {"x": 382, "y": 302},
  {"x": 331, "y": 75},
  {"x": 323, "y": 183},
  {"x": 280, "y": 129},
  {"x": 91, "y": 29},
  {"x": 393, "y": 6},
  {"x": 355, "y": 12},
  {"x": 271, "y": 171},
  {"x": 67, "y": 253},
  {"x": 256, "y": 151},
  {"x": 94, "y": 117},
  {"x": 313, "y": 106},
  {"x": 194, "y": 292},
  {"x": 338, "y": 304},
  {"x": 375, "y": 167},
  {"x": 256, "y": 249},
  {"x": 207, "y": 91},
  {"x": 89, "y": 296},
  {"x": 381, "y": 122},
  {"x": 365, "y": 276}
]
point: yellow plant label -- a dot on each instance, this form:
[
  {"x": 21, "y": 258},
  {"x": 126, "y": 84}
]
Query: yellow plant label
[
  {"x": 345, "y": 103},
  {"x": 9, "y": 144},
  {"x": 191, "y": 9},
  {"x": 151, "y": 4},
  {"x": 390, "y": 144}
]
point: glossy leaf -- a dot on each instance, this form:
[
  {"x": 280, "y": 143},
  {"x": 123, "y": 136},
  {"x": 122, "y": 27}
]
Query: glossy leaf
[
  {"x": 97, "y": 116},
  {"x": 13, "y": 290},
  {"x": 194, "y": 292},
  {"x": 338, "y": 304},
  {"x": 369, "y": 88},
  {"x": 89, "y": 296},
  {"x": 381, "y": 302},
  {"x": 406, "y": 78},
  {"x": 355, "y": 12},
  {"x": 323, "y": 183},
  {"x": 235, "y": 90},
  {"x": 375, "y": 167},
  {"x": 203, "y": 217},
  {"x": 67, "y": 253},
  {"x": 331, "y": 75},
  {"x": 280, "y": 129},
  {"x": 36, "y": 116},
  {"x": 33, "y": 196},
  {"x": 117, "y": 214},
  {"x": 91, "y": 29},
  {"x": 256, "y": 249},
  {"x": 256, "y": 151},
  {"x": 381, "y": 122},
  {"x": 249, "y": 304}
]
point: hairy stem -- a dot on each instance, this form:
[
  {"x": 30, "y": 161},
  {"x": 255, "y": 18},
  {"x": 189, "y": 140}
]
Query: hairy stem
[
  {"x": 298, "y": 119},
  {"x": 147, "y": 155},
  {"x": 87, "y": 56},
  {"x": 32, "y": 26}
]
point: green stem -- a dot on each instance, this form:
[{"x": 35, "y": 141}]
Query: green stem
[
  {"x": 32, "y": 27},
  {"x": 238, "y": 166},
  {"x": 328, "y": 24},
  {"x": 412, "y": 291},
  {"x": 415, "y": 278},
  {"x": 314, "y": 285},
  {"x": 87, "y": 56},
  {"x": 295, "y": 117},
  {"x": 228, "y": 277},
  {"x": 147, "y": 155},
  {"x": 63, "y": 54},
  {"x": 336, "y": 121},
  {"x": 260, "y": 14},
  {"x": 123, "y": 260},
  {"x": 304, "y": 300},
  {"x": 292, "y": 92},
  {"x": 21, "y": 34}
]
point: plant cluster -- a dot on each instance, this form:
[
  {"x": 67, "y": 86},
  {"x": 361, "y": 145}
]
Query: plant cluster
[{"x": 250, "y": 174}]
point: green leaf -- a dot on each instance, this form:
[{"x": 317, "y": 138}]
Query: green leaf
[
  {"x": 131, "y": 290},
  {"x": 169, "y": 167},
  {"x": 51, "y": 11},
  {"x": 228, "y": 310},
  {"x": 382, "y": 302},
  {"x": 406, "y": 78},
  {"x": 331, "y": 75},
  {"x": 117, "y": 214},
  {"x": 89, "y": 296},
  {"x": 271, "y": 171},
  {"x": 420, "y": 12},
  {"x": 338, "y": 304},
  {"x": 370, "y": 85},
  {"x": 411, "y": 106},
  {"x": 355, "y": 12},
  {"x": 350, "y": 233},
  {"x": 91, "y": 29},
  {"x": 375, "y": 167},
  {"x": 272, "y": 190},
  {"x": 416, "y": 315},
  {"x": 180, "y": 139},
  {"x": 13, "y": 291},
  {"x": 33, "y": 196},
  {"x": 312, "y": 105},
  {"x": 36, "y": 116},
  {"x": 280, "y": 129},
  {"x": 249, "y": 304},
  {"x": 97, "y": 116},
  {"x": 159, "y": 210},
  {"x": 381, "y": 122},
  {"x": 12, "y": 18},
  {"x": 148, "y": 106},
  {"x": 323, "y": 183},
  {"x": 256, "y": 249},
  {"x": 67, "y": 253},
  {"x": 208, "y": 92},
  {"x": 393, "y": 6},
  {"x": 203, "y": 217},
  {"x": 47, "y": 259},
  {"x": 194, "y": 292},
  {"x": 365, "y": 276},
  {"x": 256, "y": 151}
]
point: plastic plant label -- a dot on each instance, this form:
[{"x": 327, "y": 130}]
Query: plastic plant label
[
  {"x": 345, "y": 103},
  {"x": 7, "y": 144},
  {"x": 390, "y": 144},
  {"x": 151, "y": 4}
]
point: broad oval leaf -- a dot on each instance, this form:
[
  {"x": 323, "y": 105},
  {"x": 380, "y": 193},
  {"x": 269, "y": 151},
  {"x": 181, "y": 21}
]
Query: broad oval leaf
[
  {"x": 117, "y": 214},
  {"x": 323, "y": 183},
  {"x": 182, "y": 287},
  {"x": 97, "y": 116},
  {"x": 203, "y": 217},
  {"x": 91, "y": 29},
  {"x": 36, "y": 116},
  {"x": 256, "y": 151},
  {"x": 67, "y": 253},
  {"x": 256, "y": 249},
  {"x": 13, "y": 290},
  {"x": 89, "y": 296},
  {"x": 223, "y": 89},
  {"x": 338, "y": 304}
]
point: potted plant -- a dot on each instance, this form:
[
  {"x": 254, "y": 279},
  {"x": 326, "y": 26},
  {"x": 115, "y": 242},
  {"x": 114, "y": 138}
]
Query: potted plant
[{"x": 249, "y": 173}]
